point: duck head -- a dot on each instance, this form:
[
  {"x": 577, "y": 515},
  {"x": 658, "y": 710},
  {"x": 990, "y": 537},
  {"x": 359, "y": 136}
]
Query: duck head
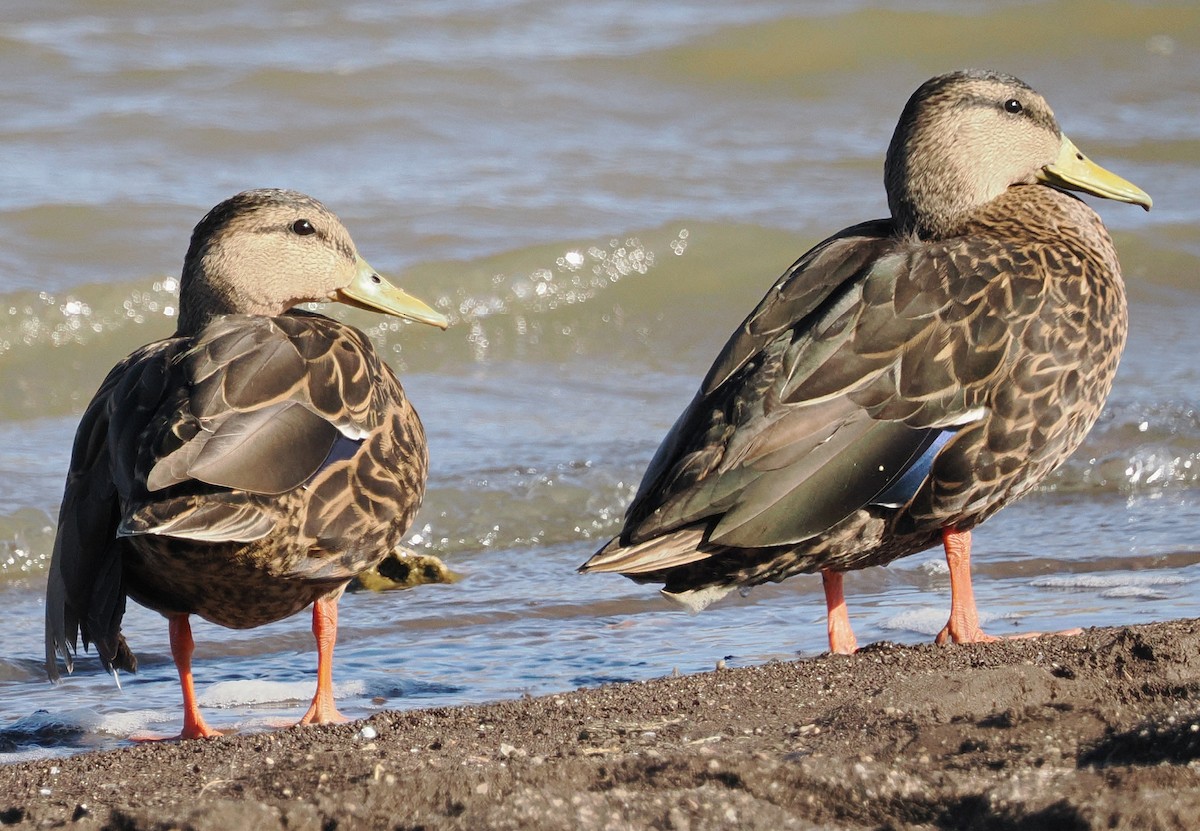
[
  {"x": 264, "y": 251},
  {"x": 966, "y": 137}
]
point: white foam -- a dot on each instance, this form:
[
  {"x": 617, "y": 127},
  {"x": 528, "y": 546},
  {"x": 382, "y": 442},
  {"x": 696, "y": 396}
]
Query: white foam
[
  {"x": 252, "y": 692},
  {"x": 1108, "y": 581},
  {"x": 42, "y": 719},
  {"x": 87, "y": 720},
  {"x": 33, "y": 754},
  {"x": 935, "y": 566},
  {"x": 1140, "y": 592},
  {"x": 128, "y": 723},
  {"x": 925, "y": 621},
  {"x": 929, "y": 620}
]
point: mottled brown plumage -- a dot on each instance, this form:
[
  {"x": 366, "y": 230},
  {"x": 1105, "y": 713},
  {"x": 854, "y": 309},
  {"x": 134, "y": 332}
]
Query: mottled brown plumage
[
  {"x": 906, "y": 378},
  {"x": 253, "y": 463}
]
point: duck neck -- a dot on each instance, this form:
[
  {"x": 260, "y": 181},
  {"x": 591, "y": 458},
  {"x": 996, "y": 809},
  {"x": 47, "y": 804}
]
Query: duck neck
[
  {"x": 931, "y": 203},
  {"x": 937, "y": 180},
  {"x": 200, "y": 302}
]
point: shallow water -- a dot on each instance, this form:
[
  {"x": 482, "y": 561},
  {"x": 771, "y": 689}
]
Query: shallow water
[{"x": 597, "y": 192}]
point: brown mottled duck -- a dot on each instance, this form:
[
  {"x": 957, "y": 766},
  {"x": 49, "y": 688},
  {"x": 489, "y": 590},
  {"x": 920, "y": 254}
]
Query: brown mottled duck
[
  {"x": 251, "y": 464},
  {"x": 907, "y": 377}
]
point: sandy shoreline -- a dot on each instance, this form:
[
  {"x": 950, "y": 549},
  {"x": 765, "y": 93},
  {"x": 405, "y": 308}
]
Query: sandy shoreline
[{"x": 1096, "y": 731}]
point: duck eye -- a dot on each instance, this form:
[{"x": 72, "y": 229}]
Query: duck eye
[
  {"x": 1013, "y": 106},
  {"x": 303, "y": 227}
]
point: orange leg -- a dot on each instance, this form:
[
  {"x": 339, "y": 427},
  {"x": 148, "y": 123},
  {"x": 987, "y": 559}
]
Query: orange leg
[
  {"x": 841, "y": 634},
  {"x": 963, "y": 626},
  {"x": 323, "y": 710},
  {"x": 182, "y": 647}
]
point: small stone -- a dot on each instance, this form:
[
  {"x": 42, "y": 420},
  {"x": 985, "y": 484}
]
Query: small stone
[{"x": 368, "y": 732}]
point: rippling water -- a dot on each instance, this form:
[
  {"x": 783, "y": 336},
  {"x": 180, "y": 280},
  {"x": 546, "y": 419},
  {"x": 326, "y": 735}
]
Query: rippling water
[{"x": 597, "y": 193}]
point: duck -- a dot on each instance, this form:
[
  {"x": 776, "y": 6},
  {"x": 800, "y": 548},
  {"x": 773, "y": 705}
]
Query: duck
[
  {"x": 404, "y": 568},
  {"x": 904, "y": 379},
  {"x": 251, "y": 464}
]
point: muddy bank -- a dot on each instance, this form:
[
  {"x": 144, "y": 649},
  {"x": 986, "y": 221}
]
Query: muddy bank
[{"x": 1101, "y": 730}]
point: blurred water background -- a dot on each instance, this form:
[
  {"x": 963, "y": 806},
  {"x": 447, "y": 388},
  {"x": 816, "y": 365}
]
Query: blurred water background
[{"x": 596, "y": 192}]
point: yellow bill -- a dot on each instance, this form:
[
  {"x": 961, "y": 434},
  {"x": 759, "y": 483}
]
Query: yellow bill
[
  {"x": 1074, "y": 171},
  {"x": 370, "y": 291}
]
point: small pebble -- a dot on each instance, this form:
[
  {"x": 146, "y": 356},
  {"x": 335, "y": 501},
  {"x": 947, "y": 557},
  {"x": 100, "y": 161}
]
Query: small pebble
[{"x": 368, "y": 732}]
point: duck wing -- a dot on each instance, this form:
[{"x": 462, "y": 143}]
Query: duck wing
[
  {"x": 254, "y": 409},
  {"x": 84, "y": 592},
  {"x": 837, "y": 392}
]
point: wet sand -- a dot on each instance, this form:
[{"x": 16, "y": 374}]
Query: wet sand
[{"x": 1101, "y": 730}]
